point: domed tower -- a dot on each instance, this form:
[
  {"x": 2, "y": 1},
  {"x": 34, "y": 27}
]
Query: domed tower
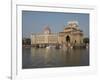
[
  {"x": 47, "y": 30},
  {"x": 71, "y": 25},
  {"x": 71, "y": 34}
]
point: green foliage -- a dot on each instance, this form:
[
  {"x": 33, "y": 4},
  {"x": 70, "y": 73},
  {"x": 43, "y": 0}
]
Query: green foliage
[
  {"x": 86, "y": 40},
  {"x": 26, "y": 41}
]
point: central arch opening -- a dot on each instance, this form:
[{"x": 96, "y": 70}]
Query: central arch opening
[{"x": 67, "y": 38}]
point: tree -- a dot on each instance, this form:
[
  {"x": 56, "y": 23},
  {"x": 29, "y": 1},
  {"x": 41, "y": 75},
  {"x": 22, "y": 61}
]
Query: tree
[
  {"x": 26, "y": 41},
  {"x": 86, "y": 40}
]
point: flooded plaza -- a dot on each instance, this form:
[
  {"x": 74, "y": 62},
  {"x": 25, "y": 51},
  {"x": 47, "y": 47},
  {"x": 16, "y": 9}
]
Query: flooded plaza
[{"x": 46, "y": 58}]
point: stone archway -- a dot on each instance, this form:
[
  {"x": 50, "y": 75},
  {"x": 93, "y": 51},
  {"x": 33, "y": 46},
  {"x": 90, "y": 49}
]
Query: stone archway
[{"x": 67, "y": 38}]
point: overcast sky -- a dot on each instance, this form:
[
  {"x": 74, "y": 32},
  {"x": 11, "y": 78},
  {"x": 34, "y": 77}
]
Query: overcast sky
[{"x": 35, "y": 21}]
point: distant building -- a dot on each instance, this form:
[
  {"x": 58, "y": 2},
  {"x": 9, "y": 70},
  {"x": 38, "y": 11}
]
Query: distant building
[
  {"x": 44, "y": 38},
  {"x": 71, "y": 34}
]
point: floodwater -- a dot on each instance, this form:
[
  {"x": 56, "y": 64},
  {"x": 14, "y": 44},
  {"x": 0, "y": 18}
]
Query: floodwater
[{"x": 46, "y": 58}]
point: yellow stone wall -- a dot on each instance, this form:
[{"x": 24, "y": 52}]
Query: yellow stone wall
[
  {"x": 72, "y": 30},
  {"x": 44, "y": 38},
  {"x": 77, "y": 37},
  {"x": 53, "y": 38}
]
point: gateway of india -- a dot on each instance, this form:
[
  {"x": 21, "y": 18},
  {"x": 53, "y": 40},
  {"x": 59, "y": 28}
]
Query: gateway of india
[{"x": 71, "y": 35}]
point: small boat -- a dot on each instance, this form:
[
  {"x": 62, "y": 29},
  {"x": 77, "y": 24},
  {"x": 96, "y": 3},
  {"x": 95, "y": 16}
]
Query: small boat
[
  {"x": 60, "y": 47},
  {"x": 71, "y": 47},
  {"x": 87, "y": 47},
  {"x": 48, "y": 47}
]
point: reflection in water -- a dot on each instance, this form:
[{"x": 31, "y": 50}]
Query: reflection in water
[{"x": 42, "y": 57}]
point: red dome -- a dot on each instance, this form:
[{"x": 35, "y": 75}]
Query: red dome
[{"x": 47, "y": 29}]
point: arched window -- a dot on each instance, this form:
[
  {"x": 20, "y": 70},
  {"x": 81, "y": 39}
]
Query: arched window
[
  {"x": 75, "y": 41},
  {"x": 67, "y": 38}
]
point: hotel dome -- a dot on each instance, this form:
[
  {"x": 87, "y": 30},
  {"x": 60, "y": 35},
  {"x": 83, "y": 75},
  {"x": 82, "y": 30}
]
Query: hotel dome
[{"x": 47, "y": 30}]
